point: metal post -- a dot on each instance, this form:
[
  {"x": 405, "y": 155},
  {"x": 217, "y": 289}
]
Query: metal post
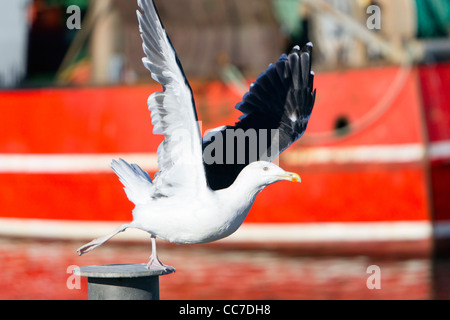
[{"x": 121, "y": 281}]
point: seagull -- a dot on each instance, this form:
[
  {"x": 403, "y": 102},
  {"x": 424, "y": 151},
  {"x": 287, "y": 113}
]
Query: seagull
[{"x": 204, "y": 187}]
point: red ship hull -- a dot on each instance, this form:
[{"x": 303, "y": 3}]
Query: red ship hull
[{"x": 387, "y": 176}]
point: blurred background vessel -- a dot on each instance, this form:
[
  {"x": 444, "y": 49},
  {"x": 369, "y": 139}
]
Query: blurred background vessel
[{"x": 375, "y": 160}]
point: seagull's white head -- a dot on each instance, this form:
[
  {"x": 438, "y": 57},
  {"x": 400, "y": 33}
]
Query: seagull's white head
[{"x": 263, "y": 173}]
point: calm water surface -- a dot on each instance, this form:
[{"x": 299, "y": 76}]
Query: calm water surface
[{"x": 41, "y": 270}]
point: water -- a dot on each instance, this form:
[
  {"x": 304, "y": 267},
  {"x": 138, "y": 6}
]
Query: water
[{"x": 41, "y": 270}]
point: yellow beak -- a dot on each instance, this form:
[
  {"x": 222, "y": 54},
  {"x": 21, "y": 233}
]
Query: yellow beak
[{"x": 292, "y": 176}]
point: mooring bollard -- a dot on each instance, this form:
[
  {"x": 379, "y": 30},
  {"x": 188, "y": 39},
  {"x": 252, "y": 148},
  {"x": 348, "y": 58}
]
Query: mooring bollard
[{"x": 121, "y": 281}]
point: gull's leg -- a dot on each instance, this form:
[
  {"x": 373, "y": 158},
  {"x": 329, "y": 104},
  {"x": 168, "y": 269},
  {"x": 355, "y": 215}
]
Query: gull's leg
[
  {"x": 99, "y": 241},
  {"x": 155, "y": 263}
]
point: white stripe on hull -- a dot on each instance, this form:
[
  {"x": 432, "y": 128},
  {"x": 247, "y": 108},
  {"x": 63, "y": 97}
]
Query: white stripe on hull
[
  {"x": 86, "y": 163},
  {"x": 248, "y": 233},
  {"x": 71, "y": 163}
]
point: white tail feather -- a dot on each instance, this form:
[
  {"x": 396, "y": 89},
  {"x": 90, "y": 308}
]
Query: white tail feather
[{"x": 137, "y": 182}]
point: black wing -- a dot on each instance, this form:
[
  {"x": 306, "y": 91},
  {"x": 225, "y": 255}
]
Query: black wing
[{"x": 276, "y": 111}]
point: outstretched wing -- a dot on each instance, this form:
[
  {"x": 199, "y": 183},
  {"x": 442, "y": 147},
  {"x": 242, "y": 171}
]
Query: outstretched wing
[
  {"x": 172, "y": 110},
  {"x": 276, "y": 111}
]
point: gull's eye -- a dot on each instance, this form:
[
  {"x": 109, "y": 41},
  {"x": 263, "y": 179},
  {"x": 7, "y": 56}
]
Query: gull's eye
[{"x": 266, "y": 168}]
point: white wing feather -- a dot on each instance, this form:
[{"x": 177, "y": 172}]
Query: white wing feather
[{"x": 172, "y": 110}]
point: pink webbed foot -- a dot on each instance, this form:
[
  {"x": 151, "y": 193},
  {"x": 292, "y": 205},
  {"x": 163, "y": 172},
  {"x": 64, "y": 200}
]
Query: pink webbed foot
[{"x": 156, "y": 265}]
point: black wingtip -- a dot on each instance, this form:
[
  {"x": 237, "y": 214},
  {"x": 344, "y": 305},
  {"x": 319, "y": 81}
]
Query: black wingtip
[{"x": 307, "y": 48}]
